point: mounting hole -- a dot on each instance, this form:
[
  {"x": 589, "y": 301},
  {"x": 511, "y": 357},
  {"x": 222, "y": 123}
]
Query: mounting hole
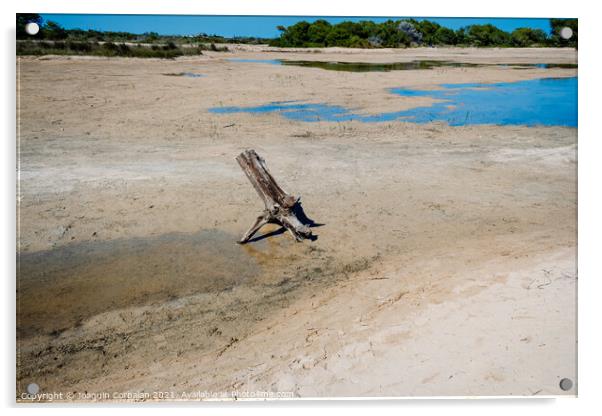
[
  {"x": 33, "y": 388},
  {"x": 32, "y": 28},
  {"x": 566, "y": 33},
  {"x": 566, "y": 384}
]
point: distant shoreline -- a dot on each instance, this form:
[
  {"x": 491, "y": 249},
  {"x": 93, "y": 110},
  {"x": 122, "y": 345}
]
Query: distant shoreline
[{"x": 556, "y": 55}]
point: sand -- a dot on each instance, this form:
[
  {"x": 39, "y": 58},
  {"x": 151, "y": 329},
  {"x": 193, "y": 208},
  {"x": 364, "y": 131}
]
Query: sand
[{"x": 445, "y": 262}]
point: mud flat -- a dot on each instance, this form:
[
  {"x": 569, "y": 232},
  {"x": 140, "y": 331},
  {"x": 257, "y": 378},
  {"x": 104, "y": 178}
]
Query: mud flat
[{"x": 445, "y": 262}]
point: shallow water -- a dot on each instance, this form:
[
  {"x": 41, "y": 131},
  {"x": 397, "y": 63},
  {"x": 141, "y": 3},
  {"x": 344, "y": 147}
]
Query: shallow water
[
  {"x": 257, "y": 61},
  {"x": 544, "y": 66},
  {"x": 394, "y": 66},
  {"x": 544, "y": 101},
  {"x": 59, "y": 288}
]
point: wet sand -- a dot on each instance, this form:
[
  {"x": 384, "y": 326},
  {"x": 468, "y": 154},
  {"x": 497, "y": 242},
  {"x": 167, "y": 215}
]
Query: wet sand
[{"x": 445, "y": 262}]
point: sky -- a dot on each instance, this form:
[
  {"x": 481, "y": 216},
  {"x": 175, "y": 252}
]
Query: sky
[{"x": 258, "y": 26}]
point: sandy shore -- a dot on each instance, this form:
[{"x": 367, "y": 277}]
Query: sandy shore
[{"x": 445, "y": 262}]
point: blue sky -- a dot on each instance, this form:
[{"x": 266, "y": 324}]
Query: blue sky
[{"x": 260, "y": 26}]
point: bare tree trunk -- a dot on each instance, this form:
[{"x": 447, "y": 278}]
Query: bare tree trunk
[{"x": 279, "y": 206}]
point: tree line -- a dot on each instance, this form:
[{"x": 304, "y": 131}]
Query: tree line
[
  {"x": 411, "y": 32},
  {"x": 364, "y": 34},
  {"x": 52, "y": 31}
]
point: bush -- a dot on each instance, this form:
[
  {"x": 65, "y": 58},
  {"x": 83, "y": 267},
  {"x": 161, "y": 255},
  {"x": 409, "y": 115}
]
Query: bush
[
  {"x": 215, "y": 48},
  {"x": 96, "y": 49},
  {"x": 81, "y": 46},
  {"x": 527, "y": 37}
]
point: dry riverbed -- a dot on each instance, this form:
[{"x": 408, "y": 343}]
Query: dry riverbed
[{"x": 445, "y": 262}]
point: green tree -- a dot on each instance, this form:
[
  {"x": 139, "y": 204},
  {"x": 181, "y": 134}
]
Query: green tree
[
  {"x": 366, "y": 28},
  {"x": 296, "y": 35},
  {"x": 406, "y": 32},
  {"x": 487, "y": 35},
  {"x": 462, "y": 36},
  {"x": 54, "y": 31},
  {"x": 428, "y": 30},
  {"x": 338, "y": 36},
  {"x": 525, "y": 36},
  {"x": 318, "y": 32},
  {"x": 357, "y": 42},
  {"x": 444, "y": 36},
  {"x": 390, "y": 35}
]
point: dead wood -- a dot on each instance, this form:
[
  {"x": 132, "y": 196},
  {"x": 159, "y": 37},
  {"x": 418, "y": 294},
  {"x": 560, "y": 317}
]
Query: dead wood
[{"x": 279, "y": 206}]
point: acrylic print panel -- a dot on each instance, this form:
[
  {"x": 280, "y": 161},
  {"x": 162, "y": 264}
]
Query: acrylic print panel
[{"x": 164, "y": 253}]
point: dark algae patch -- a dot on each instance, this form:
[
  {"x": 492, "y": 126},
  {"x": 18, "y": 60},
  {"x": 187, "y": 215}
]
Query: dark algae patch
[
  {"x": 394, "y": 66},
  {"x": 184, "y": 74},
  {"x": 379, "y": 67}
]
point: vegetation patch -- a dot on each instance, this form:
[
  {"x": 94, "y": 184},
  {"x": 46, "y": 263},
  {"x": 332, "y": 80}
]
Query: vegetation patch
[
  {"x": 52, "y": 39},
  {"x": 411, "y": 32}
]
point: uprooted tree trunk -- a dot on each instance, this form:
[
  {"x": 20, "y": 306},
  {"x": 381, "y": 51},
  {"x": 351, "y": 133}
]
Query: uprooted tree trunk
[{"x": 279, "y": 206}]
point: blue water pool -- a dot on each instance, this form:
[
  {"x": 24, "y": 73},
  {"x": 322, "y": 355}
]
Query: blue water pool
[
  {"x": 545, "y": 101},
  {"x": 257, "y": 61}
]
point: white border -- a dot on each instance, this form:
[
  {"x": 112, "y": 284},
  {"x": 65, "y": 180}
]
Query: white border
[{"x": 590, "y": 273}]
